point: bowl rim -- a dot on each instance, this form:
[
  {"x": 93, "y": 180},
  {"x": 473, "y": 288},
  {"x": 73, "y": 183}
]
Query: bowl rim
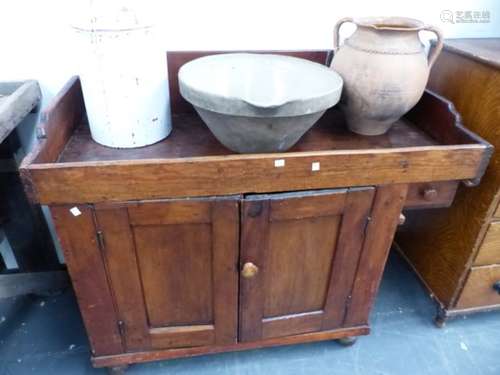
[{"x": 241, "y": 106}]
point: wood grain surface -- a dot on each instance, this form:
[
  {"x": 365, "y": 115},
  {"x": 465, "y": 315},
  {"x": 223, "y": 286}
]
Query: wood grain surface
[{"x": 442, "y": 244}]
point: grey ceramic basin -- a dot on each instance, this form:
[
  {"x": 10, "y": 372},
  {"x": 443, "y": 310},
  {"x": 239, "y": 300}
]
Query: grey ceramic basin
[{"x": 258, "y": 102}]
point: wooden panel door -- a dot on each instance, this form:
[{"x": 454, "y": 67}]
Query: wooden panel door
[
  {"x": 299, "y": 254},
  {"x": 172, "y": 269}
]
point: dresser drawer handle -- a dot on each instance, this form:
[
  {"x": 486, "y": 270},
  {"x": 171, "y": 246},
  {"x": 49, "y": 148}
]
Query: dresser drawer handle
[
  {"x": 496, "y": 287},
  {"x": 429, "y": 194}
]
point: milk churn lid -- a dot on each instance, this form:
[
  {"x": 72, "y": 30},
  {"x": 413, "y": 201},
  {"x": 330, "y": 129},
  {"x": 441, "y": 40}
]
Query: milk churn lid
[{"x": 111, "y": 15}]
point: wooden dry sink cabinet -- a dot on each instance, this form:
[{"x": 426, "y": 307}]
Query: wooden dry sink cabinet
[{"x": 185, "y": 248}]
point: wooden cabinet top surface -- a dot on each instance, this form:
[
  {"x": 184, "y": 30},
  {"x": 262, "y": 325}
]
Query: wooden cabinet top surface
[
  {"x": 66, "y": 166},
  {"x": 486, "y": 50}
]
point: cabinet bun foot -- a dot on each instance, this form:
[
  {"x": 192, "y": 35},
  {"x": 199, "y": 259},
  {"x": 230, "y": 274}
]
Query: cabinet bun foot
[
  {"x": 439, "y": 321},
  {"x": 117, "y": 370},
  {"x": 347, "y": 341}
]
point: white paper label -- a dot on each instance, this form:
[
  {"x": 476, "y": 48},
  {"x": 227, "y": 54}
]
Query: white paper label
[
  {"x": 315, "y": 166},
  {"x": 278, "y": 163},
  {"x": 75, "y": 211}
]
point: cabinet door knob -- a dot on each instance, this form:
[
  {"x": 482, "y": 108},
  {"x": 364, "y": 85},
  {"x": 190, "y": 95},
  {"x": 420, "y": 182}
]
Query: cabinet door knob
[
  {"x": 249, "y": 270},
  {"x": 496, "y": 287},
  {"x": 430, "y": 194}
]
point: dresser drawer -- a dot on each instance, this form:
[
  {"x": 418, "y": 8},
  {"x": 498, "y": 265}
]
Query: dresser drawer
[
  {"x": 480, "y": 289},
  {"x": 489, "y": 251},
  {"x": 434, "y": 194}
]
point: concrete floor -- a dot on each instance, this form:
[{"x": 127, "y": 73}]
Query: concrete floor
[{"x": 46, "y": 336}]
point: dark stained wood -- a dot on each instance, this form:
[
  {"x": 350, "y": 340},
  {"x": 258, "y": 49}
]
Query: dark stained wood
[
  {"x": 441, "y": 244},
  {"x": 294, "y": 290},
  {"x": 172, "y": 267},
  {"x": 106, "y": 361},
  {"x": 58, "y": 120},
  {"x": 387, "y": 206},
  {"x": 431, "y": 194},
  {"x": 190, "y": 137},
  {"x": 77, "y": 235},
  {"x": 175, "y": 59}
]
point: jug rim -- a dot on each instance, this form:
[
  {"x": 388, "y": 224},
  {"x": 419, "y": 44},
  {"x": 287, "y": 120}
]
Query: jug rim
[{"x": 390, "y": 23}]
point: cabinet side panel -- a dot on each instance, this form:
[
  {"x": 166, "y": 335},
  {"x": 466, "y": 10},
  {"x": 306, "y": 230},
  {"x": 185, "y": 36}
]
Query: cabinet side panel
[
  {"x": 388, "y": 203},
  {"x": 77, "y": 235}
]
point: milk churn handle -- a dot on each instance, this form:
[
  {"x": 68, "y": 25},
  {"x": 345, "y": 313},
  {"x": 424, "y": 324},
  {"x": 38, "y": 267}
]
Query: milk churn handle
[
  {"x": 439, "y": 43},
  {"x": 336, "y": 31}
]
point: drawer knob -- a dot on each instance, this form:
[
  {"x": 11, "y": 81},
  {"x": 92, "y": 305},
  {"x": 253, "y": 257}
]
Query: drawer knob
[
  {"x": 430, "y": 194},
  {"x": 249, "y": 270},
  {"x": 496, "y": 287}
]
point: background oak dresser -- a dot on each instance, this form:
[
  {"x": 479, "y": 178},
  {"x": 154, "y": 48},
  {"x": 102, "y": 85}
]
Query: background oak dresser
[{"x": 456, "y": 251}]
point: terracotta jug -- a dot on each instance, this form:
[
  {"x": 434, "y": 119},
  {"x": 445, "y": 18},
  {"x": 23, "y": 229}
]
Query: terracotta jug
[{"x": 385, "y": 70}]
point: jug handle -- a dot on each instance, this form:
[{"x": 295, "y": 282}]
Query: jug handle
[
  {"x": 439, "y": 44},
  {"x": 336, "y": 32}
]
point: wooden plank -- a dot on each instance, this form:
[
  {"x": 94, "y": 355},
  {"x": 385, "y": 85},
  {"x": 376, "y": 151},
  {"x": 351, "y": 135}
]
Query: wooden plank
[
  {"x": 107, "y": 361},
  {"x": 489, "y": 251},
  {"x": 77, "y": 235},
  {"x": 69, "y": 182},
  {"x": 57, "y": 122},
  {"x": 478, "y": 289},
  {"x": 175, "y": 212},
  {"x": 182, "y": 336},
  {"x": 17, "y": 99},
  {"x": 253, "y": 245},
  {"x": 350, "y": 243},
  {"x": 294, "y": 324},
  {"x": 315, "y": 205},
  {"x": 121, "y": 262},
  {"x": 225, "y": 247},
  {"x": 388, "y": 203}
]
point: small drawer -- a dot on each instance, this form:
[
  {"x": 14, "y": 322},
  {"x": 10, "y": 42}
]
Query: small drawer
[
  {"x": 482, "y": 287},
  {"x": 489, "y": 251},
  {"x": 429, "y": 195}
]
